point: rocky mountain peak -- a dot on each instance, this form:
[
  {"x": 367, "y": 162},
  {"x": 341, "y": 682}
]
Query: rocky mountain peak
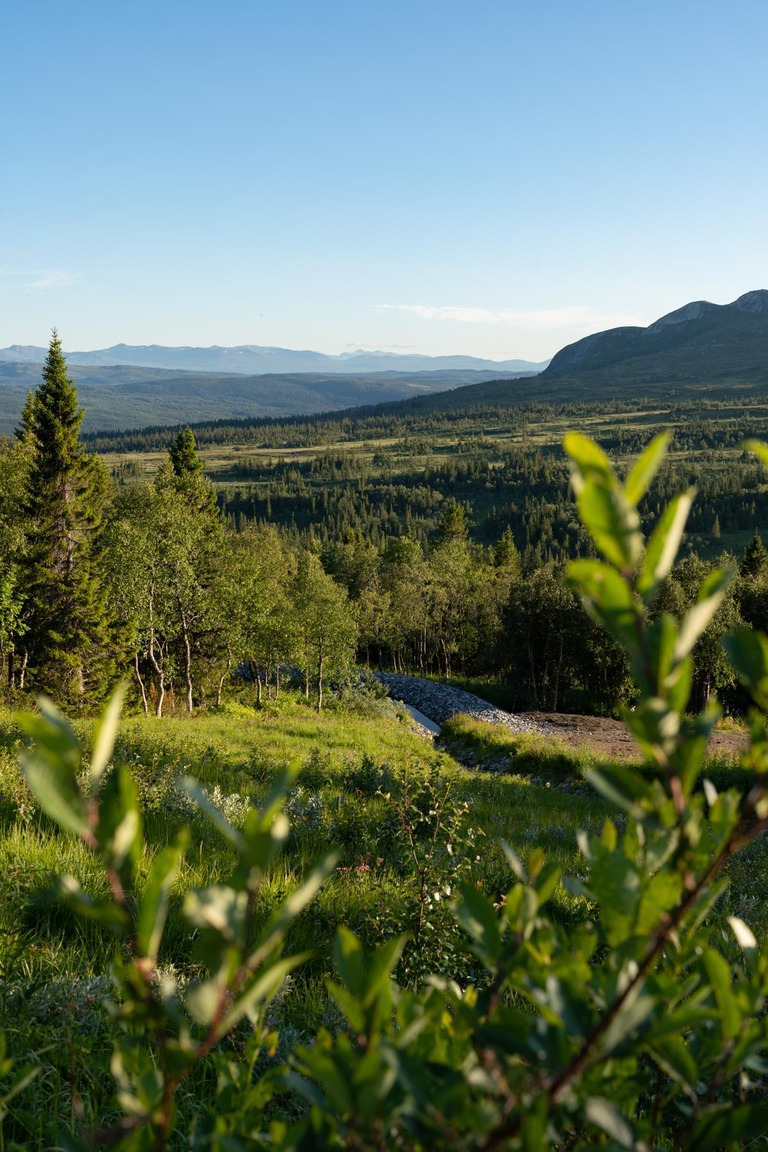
[
  {"x": 756, "y": 301},
  {"x": 696, "y": 310}
]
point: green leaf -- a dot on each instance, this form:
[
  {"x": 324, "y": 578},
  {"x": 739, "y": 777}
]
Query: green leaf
[
  {"x": 534, "y": 1125},
  {"x": 547, "y": 881},
  {"x": 660, "y": 895},
  {"x": 217, "y": 818},
  {"x": 672, "y": 1055},
  {"x": 219, "y": 907},
  {"x": 56, "y": 794},
  {"x": 729, "y": 1124},
  {"x": 382, "y": 964},
  {"x": 743, "y": 933},
  {"x": 153, "y": 908},
  {"x": 620, "y": 785},
  {"x": 696, "y": 619},
  {"x": 478, "y": 918},
  {"x": 640, "y": 478},
  {"x": 588, "y": 458},
  {"x": 608, "y": 516},
  {"x": 104, "y": 912},
  {"x": 348, "y": 958},
  {"x": 297, "y": 901},
  {"x": 638, "y": 1007},
  {"x": 350, "y": 1005},
  {"x": 21, "y": 1080},
  {"x": 261, "y": 991},
  {"x": 748, "y": 652},
  {"x": 104, "y": 736},
  {"x": 203, "y": 1000},
  {"x": 605, "y": 1115},
  {"x": 514, "y": 861},
  {"x": 119, "y": 828},
  {"x": 607, "y": 595},
  {"x": 278, "y": 792},
  {"x": 51, "y": 766},
  {"x": 616, "y": 885},
  {"x": 612, "y": 523},
  {"x": 719, "y": 974},
  {"x": 661, "y": 638},
  {"x": 52, "y": 733},
  {"x": 664, "y": 543},
  {"x": 262, "y": 841}
]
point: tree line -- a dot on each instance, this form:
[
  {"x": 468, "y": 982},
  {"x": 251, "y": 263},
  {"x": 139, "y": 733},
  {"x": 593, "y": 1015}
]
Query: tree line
[{"x": 160, "y": 580}]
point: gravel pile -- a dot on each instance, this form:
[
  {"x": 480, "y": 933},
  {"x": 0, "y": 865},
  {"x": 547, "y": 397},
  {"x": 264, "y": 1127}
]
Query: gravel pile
[{"x": 439, "y": 702}]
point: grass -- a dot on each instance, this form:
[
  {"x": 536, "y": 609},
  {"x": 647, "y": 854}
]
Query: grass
[
  {"x": 497, "y": 749},
  {"x": 349, "y": 789}
]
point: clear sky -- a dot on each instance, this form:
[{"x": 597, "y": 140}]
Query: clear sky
[{"x": 490, "y": 177}]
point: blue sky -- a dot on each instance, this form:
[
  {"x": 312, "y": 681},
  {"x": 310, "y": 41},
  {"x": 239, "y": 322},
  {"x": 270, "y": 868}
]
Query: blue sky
[{"x": 488, "y": 177}]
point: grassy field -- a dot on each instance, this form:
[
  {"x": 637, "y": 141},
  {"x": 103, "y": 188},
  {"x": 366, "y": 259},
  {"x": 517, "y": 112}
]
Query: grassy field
[
  {"x": 362, "y": 780},
  {"x": 424, "y": 441}
]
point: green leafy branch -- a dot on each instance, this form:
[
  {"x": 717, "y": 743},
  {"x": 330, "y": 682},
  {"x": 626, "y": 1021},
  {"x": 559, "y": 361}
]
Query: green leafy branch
[{"x": 165, "y": 1031}]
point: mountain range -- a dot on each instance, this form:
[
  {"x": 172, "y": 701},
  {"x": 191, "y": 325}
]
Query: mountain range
[
  {"x": 701, "y": 350},
  {"x": 122, "y": 396},
  {"x": 129, "y": 386},
  {"x": 256, "y": 360}
]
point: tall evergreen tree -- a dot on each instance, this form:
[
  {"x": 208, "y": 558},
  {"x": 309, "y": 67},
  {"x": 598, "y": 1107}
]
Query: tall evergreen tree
[
  {"x": 183, "y": 454},
  {"x": 454, "y": 522},
  {"x": 68, "y": 628},
  {"x": 755, "y": 559}
]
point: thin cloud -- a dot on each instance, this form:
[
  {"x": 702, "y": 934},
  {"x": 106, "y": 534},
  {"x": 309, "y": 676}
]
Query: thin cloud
[
  {"x": 577, "y": 317},
  {"x": 51, "y": 278},
  {"x": 38, "y": 279}
]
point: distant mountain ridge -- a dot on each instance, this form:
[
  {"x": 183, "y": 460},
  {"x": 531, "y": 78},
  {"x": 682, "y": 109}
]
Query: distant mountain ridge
[
  {"x": 699, "y": 351},
  {"x": 715, "y": 339},
  {"x": 125, "y": 396},
  {"x": 255, "y": 360}
]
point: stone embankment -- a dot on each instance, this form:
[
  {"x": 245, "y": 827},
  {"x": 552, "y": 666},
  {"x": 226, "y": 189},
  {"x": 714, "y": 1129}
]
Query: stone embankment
[{"x": 439, "y": 702}]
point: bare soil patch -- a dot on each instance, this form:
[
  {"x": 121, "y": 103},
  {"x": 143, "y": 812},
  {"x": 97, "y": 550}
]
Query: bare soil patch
[{"x": 611, "y": 738}]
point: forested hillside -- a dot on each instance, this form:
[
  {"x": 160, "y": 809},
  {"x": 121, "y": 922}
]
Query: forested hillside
[
  {"x": 428, "y": 542},
  {"x": 390, "y": 470},
  {"x": 122, "y": 396}
]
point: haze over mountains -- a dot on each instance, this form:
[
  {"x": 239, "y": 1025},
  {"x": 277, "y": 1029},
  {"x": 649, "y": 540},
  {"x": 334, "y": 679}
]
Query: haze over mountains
[
  {"x": 132, "y": 387},
  {"x": 254, "y": 359},
  {"x": 121, "y": 396}
]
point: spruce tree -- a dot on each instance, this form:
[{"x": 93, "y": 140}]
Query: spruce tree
[
  {"x": 454, "y": 522},
  {"x": 68, "y": 627},
  {"x": 183, "y": 454},
  {"x": 755, "y": 558}
]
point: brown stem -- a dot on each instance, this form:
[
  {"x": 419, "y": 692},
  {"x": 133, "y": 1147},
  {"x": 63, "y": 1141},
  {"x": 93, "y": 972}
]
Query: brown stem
[{"x": 555, "y": 1088}]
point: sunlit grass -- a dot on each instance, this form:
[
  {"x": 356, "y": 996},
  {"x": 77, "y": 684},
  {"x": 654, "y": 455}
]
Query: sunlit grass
[{"x": 54, "y": 967}]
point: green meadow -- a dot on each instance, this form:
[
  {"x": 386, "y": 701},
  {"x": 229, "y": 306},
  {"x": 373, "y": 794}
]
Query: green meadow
[{"x": 410, "y": 824}]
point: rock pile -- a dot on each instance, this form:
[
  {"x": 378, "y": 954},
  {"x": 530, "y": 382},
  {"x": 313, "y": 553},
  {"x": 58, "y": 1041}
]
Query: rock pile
[{"x": 439, "y": 702}]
